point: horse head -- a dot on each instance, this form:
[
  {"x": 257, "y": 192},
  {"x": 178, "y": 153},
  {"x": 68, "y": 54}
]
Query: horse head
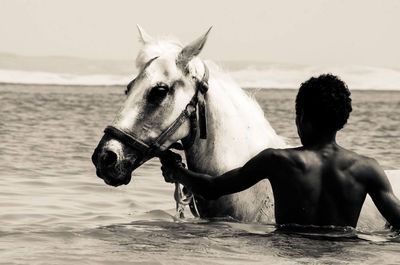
[{"x": 163, "y": 95}]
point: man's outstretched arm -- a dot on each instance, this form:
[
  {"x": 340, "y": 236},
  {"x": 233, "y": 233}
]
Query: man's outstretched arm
[
  {"x": 213, "y": 187},
  {"x": 381, "y": 192}
]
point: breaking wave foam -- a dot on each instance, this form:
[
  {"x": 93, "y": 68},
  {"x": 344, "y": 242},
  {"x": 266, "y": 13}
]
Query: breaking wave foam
[
  {"x": 47, "y": 78},
  {"x": 355, "y": 77},
  {"x": 267, "y": 77}
]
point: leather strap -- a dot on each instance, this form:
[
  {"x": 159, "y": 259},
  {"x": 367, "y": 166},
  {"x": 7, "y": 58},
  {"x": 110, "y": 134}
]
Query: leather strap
[{"x": 189, "y": 113}]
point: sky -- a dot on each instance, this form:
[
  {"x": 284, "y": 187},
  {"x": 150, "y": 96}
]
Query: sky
[{"x": 308, "y": 32}]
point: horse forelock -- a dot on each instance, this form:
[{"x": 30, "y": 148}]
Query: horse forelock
[
  {"x": 157, "y": 48},
  {"x": 167, "y": 47}
]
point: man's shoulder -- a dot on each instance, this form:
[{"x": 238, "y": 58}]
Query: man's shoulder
[
  {"x": 290, "y": 157},
  {"x": 362, "y": 166},
  {"x": 357, "y": 160},
  {"x": 279, "y": 153}
]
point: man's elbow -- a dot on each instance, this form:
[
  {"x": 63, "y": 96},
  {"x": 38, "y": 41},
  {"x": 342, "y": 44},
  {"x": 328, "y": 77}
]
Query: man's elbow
[
  {"x": 211, "y": 195},
  {"x": 208, "y": 191}
]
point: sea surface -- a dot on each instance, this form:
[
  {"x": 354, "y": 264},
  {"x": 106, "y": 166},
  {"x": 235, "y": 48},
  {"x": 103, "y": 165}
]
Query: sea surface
[{"x": 54, "y": 210}]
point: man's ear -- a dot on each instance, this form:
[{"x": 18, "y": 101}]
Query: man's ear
[
  {"x": 303, "y": 121},
  {"x": 301, "y": 115}
]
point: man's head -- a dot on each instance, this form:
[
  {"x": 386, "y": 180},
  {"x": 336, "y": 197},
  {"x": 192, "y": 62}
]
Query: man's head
[{"x": 324, "y": 103}]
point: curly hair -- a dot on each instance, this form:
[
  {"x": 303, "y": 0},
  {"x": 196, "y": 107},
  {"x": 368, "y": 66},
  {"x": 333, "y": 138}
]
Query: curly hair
[{"x": 325, "y": 101}]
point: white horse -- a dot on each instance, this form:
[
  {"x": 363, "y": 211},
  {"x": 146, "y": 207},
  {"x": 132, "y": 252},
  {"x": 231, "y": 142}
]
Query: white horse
[{"x": 236, "y": 127}]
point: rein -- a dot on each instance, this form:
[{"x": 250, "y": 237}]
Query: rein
[{"x": 154, "y": 149}]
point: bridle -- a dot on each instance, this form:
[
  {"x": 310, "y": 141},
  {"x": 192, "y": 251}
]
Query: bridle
[{"x": 156, "y": 147}]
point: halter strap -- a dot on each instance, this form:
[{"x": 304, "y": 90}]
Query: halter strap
[
  {"x": 127, "y": 139},
  {"x": 154, "y": 149},
  {"x": 202, "y": 88}
]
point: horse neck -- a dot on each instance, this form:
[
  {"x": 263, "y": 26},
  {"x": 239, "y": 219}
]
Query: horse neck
[{"x": 236, "y": 129}]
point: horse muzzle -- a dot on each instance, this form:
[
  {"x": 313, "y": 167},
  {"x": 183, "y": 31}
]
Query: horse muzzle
[{"x": 114, "y": 163}]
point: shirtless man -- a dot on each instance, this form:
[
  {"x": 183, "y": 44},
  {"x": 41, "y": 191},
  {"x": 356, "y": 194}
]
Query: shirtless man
[{"x": 319, "y": 183}]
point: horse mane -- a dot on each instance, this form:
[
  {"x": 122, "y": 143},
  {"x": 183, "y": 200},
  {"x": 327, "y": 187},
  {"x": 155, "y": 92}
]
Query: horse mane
[
  {"x": 242, "y": 107},
  {"x": 156, "y": 48}
]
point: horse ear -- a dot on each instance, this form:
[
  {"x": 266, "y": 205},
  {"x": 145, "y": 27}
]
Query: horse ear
[
  {"x": 143, "y": 36},
  {"x": 191, "y": 50}
]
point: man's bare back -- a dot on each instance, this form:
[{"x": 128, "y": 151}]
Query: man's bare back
[
  {"x": 319, "y": 183},
  {"x": 321, "y": 186}
]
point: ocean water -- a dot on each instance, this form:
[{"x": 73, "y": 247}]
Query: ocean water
[
  {"x": 54, "y": 210},
  {"x": 16, "y": 69}
]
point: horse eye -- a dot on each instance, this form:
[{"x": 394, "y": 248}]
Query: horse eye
[{"x": 158, "y": 93}]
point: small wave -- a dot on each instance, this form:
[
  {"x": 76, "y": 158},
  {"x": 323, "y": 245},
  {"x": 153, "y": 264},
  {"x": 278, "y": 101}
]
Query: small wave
[
  {"x": 356, "y": 77},
  {"x": 277, "y": 77},
  {"x": 48, "y": 78}
]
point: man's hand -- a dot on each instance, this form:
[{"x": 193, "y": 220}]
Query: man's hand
[{"x": 171, "y": 164}]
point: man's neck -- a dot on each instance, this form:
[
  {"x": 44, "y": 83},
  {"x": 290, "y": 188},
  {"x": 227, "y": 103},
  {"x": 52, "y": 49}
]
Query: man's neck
[{"x": 319, "y": 140}]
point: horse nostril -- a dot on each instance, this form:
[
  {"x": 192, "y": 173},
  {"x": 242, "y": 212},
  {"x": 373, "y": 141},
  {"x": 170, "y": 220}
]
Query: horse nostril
[{"x": 109, "y": 158}]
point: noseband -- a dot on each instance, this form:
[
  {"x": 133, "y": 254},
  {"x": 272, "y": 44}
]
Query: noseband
[{"x": 189, "y": 113}]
